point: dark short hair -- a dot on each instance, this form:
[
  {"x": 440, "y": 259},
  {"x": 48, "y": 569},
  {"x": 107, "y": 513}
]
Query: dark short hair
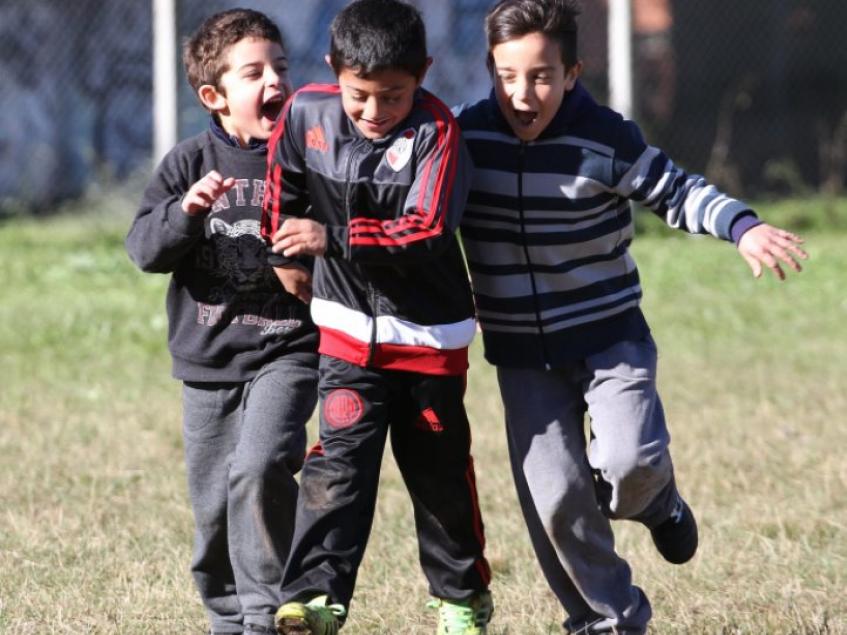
[
  {"x": 204, "y": 53},
  {"x": 556, "y": 19},
  {"x": 368, "y": 36}
]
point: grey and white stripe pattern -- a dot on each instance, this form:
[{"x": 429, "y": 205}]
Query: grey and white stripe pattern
[{"x": 548, "y": 223}]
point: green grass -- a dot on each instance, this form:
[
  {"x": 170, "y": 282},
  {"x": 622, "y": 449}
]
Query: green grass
[
  {"x": 95, "y": 529},
  {"x": 814, "y": 214}
]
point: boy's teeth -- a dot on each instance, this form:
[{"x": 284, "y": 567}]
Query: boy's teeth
[{"x": 524, "y": 117}]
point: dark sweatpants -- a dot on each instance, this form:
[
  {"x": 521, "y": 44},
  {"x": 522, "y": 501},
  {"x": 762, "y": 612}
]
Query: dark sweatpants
[
  {"x": 430, "y": 437},
  {"x": 243, "y": 443}
]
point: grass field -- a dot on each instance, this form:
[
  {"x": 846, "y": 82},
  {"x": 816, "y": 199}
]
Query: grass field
[{"x": 95, "y": 529}]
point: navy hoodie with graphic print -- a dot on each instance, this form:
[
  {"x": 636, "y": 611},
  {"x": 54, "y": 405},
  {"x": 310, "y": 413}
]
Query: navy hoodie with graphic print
[{"x": 228, "y": 315}]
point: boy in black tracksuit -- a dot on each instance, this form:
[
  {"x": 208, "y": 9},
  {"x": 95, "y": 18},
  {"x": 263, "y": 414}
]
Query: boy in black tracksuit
[
  {"x": 371, "y": 175},
  {"x": 244, "y": 349}
]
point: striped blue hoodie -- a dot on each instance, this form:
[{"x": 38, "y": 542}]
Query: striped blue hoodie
[{"x": 548, "y": 226}]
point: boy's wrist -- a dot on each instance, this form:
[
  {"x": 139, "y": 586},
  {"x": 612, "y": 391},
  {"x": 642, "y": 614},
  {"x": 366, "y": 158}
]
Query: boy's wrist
[
  {"x": 744, "y": 222},
  {"x": 183, "y": 221},
  {"x": 192, "y": 209},
  {"x": 277, "y": 259}
]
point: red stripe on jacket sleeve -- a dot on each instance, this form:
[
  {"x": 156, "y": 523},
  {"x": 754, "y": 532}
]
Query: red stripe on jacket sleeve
[
  {"x": 423, "y": 223},
  {"x": 272, "y": 202},
  {"x": 273, "y": 178},
  {"x": 451, "y": 166},
  {"x": 320, "y": 88}
]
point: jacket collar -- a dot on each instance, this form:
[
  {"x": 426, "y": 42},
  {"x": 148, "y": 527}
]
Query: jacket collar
[
  {"x": 223, "y": 135},
  {"x": 574, "y": 103}
]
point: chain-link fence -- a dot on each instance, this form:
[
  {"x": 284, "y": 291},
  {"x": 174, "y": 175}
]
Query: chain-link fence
[
  {"x": 754, "y": 93},
  {"x": 75, "y": 96}
]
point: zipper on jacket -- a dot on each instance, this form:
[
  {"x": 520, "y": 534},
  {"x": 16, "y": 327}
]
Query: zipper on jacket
[
  {"x": 537, "y": 306},
  {"x": 348, "y": 191},
  {"x": 371, "y": 293},
  {"x": 372, "y": 300}
]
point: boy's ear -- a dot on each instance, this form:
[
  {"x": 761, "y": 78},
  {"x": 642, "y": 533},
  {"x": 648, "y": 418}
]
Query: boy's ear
[
  {"x": 328, "y": 61},
  {"x": 572, "y": 74},
  {"x": 211, "y": 98}
]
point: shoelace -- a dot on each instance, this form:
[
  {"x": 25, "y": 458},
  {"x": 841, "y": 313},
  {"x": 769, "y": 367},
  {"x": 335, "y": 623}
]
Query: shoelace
[
  {"x": 455, "y": 618},
  {"x": 337, "y": 609},
  {"x": 319, "y": 605}
]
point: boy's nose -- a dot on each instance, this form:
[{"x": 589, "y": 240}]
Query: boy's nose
[
  {"x": 523, "y": 93},
  {"x": 372, "y": 110}
]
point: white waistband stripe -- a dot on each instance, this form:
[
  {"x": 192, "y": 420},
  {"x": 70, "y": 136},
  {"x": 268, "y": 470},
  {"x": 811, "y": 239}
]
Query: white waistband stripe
[{"x": 391, "y": 330}]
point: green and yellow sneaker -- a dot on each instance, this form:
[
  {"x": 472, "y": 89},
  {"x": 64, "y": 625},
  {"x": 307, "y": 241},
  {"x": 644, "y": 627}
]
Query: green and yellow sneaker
[
  {"x": 316, "y": 617},
  {"x": 466, "y": 617}
]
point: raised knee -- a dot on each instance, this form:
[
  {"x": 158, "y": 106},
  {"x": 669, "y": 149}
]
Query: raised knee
[{"x": 635, "y": 481}]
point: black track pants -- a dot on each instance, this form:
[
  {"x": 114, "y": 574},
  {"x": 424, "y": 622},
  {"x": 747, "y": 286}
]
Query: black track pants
[{"x": 430, "y": 437}]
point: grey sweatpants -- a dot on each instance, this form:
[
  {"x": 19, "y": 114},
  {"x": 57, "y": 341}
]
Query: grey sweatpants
[
  {"x": 568, "y": 490},
  {"x": 243, "y": 443}
]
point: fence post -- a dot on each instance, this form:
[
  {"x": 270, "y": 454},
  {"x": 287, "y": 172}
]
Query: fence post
[
  {"x": 620, "y": 56},
  {"x": 164, "y": 77}
]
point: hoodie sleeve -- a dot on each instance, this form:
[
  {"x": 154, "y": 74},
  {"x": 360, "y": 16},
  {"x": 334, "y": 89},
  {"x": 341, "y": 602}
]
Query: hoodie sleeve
[
  {"x": 162, "y": 233},
  {"x": 685, "y": 201}
]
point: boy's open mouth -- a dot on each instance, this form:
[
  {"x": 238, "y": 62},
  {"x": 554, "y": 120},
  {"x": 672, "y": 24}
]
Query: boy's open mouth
[
  {"x": 272, "y": 107},
  {"x": 526, "y": 117}
]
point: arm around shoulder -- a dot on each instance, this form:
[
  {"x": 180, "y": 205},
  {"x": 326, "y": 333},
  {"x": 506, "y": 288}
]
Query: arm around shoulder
[{"x": 689, "y": 202}]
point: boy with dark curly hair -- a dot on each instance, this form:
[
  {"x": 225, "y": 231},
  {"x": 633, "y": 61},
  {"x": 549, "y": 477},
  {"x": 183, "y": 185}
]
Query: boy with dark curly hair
[{"x": 244, "y": 349}]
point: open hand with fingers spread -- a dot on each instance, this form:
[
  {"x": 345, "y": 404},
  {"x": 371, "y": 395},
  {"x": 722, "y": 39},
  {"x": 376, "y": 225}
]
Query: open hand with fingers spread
[
  {"x": 300, "y": 237},
  {"x": 202, "y": 195},
  {"x": 768, "y": 246}
]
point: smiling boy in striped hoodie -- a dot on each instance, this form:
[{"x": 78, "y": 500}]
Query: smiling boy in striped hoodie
[{"x": 547, "y": 233}]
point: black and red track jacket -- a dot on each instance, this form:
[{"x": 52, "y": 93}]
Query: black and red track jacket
[{"x": 392, "y": 290}]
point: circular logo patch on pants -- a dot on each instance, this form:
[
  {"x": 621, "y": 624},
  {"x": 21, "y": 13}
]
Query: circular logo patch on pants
[{"x": 342, "y": 408}]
